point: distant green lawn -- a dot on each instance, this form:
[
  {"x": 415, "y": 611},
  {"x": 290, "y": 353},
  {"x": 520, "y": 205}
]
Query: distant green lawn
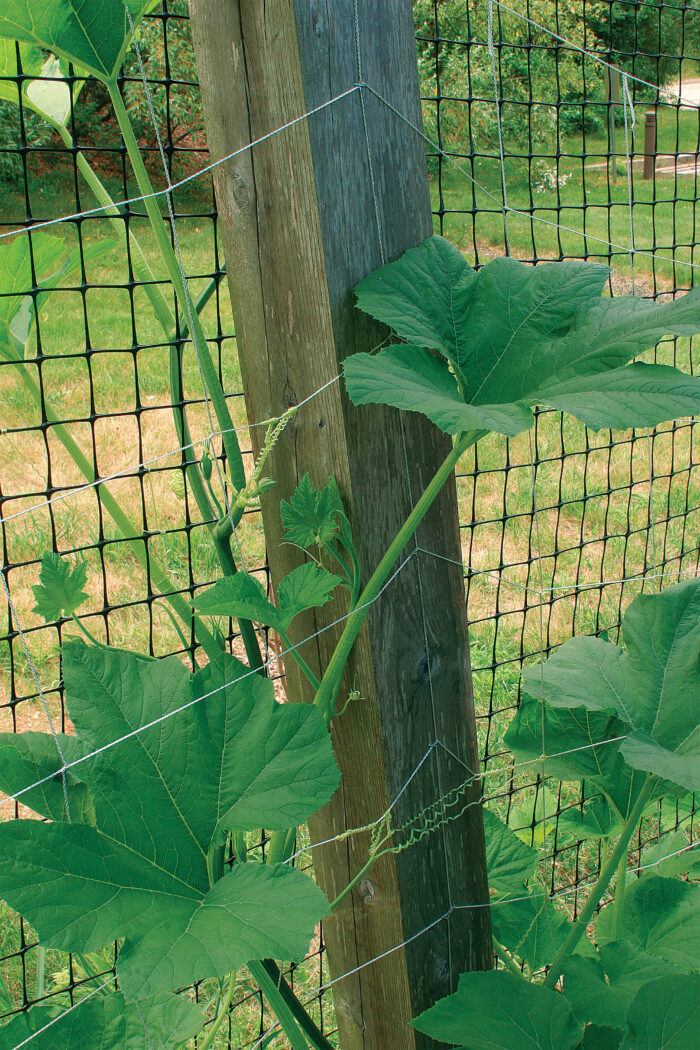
[{"x": 588, "y": 202}]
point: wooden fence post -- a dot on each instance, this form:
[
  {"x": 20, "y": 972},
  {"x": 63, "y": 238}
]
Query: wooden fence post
[{"x": 299, "y": 230}]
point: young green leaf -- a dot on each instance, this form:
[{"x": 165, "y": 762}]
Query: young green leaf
[
  {"x": 305, "y": 587},
  {"x": 232, "y": 760},
  {"x": 509, "y": 861},
  {"x": 93, "y": 36},
  {"x": 660, "y": 916},
  {"x": 516, "y": 336},
  {"x": 665, "y": 1015},
  {"x": 497, "y": 1011},
  {"x": 106, "y": 1021},
  {"x": 653, "y": 687},
  {"x": 59, "y": 591},
  {"x": 312, "y": 516}
]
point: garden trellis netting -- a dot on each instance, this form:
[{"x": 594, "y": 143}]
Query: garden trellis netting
[{"x": 526, "y": 154}]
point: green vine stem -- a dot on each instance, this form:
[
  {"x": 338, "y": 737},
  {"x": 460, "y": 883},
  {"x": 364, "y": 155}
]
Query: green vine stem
[
  {"x": 278, "y": 1005},
  {"x": 507, "y": 959},
  {"x": 221, "y": 1015},
  {"x": 620, "y": 885},
  {"x": 293, "y": 651},
  {"x": 336, "y": 665},
  {"x": 616, "y": 855},
  {"x": 373, "y": 857},
  {"x": 306, "y": 1022},
  {"x": 211, "y": 379},
  {"x": 161, "y": 309},
  {"x": 158, "y": 576},
  {"x": 174, "y": 334},
  {"x": 83, "y": 629},
  {"x": 101, "y": 194}
]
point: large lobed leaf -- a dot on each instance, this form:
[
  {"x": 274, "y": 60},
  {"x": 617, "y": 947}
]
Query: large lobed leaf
[
  {"x": 515, "y": 336},
  {"x": 665, "y": 1015},
  {"x": 29, "y": 758},
  {"x": 653, "y": 687},
  {"x": 662, "y": 917},
  {"x": 497, "y": 1011},
  {"x": 106, "y": 1022},
  {"x": 510, "y": 862},
  {"x": 577, "y": 744},
  {"x": 95, "y": 36},
  {"x": 231, "y": 758},
  {"x": 601, "y": 988},
  {"x": 530, "y": 927}
]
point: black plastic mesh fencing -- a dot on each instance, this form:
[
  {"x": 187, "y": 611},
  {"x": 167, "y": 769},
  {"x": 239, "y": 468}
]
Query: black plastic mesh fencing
[{"x": 560, "y": 529}]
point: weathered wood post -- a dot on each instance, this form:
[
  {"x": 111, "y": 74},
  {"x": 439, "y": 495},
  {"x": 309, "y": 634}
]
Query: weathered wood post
[
  {"x": 298, "y": 225},
  {"x": 650, "y": 143}
]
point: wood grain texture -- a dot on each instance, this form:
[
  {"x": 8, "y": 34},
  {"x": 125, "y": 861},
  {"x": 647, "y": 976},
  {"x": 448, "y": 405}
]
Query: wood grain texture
[{"x": 298, "y": 228}]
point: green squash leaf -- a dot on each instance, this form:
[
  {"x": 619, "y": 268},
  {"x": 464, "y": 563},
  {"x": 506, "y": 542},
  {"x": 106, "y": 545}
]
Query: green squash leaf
[
  {"x": 17, "y": 308},
  {"x": 597, "y": 820},
  {"x": 49, "y": 94},
  {"x": 516, "y": 336},
  {"x": 662, "y": 917},
  {"x": 653, "y": 687},
  {"x": 312, "y": 517},
  {"x": 509, "y": 861},
  {"x": 578, "y": 744},
  {"x": 107, "y": 1022},
  {"x": 305, "y": 587},
  {"x": 59, "y": 591},
  {"x": 636, "y": 395},
  {"x": 596, "y": 1037},
  {"x": 238, "y": 595},
  {"x": 530, "y": 928},
  {"x": 671, "y": 855},
  {"x": 600, "y": 988},
  {"x": 497, "y": 1011},
  {"x": 234, "y": 760},
  {"x": 665, "y": 1015},
  {"x": 26, "y": 758},
  {"x": 93, "y": 36},
  {"x": 407, "y": 376}
]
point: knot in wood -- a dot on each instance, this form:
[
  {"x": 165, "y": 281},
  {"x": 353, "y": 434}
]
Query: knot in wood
[
  {"x": 428, "y": 665},
  {"x": 366, "y": 890}
]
